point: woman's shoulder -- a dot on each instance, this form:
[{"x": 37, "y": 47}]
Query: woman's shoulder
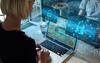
[{"x": 25, "y": 37}]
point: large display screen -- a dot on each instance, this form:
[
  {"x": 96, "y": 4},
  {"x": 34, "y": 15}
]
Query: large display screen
[
  {"x": 82, "y": 28},
  {"x": 65, "y": 24}
]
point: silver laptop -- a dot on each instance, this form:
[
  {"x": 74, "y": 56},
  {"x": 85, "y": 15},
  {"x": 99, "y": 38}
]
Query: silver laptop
[{"x": 60, "y": 45}]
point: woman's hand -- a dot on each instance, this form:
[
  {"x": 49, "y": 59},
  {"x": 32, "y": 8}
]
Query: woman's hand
[
  {"x": 38, "y": 47},
  {"x": 43, "y": 56}
]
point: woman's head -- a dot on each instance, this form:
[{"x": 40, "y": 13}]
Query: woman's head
[{"x": 18, "y": 8}]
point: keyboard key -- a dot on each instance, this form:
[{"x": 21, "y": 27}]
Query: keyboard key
[{"x": 54, "y": 47}]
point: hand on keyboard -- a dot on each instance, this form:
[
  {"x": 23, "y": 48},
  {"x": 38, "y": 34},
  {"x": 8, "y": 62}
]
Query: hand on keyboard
[
  {"x": 38, "y": 47},
  {"x": 43, "y": 56}
]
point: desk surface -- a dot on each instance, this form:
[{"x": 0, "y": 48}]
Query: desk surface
[
  {"x": 35, "y": 31},
  {"x": 75, "y": 59}
]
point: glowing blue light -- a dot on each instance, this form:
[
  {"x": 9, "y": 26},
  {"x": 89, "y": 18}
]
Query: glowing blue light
[
  {"x": 50, "y": 14},
  {"x": 76, "y": 26},
  {"x": 81, "y": 28}
]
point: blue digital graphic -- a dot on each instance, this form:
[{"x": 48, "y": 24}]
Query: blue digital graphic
[
  {"x": 50, "y": 14},
  {"x": 76, "y": 26},
  {"x": 81, "y": 28}
]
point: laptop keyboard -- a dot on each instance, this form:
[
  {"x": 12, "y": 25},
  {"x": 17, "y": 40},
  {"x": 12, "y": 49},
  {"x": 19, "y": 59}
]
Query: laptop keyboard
[{"x": 54, "y": 47}]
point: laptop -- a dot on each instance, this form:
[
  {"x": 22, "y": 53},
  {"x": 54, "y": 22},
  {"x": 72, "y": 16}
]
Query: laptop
[{"x": 60, "y": 45}]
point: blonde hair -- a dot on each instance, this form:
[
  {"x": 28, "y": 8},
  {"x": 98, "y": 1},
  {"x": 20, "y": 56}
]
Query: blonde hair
[{"x": 18, "y": 8}]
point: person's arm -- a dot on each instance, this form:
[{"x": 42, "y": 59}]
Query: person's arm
[
  {"x": 43, "y": 56},
  {"x": 81, "y": 13},
  {"x": 82, "y": 7}
]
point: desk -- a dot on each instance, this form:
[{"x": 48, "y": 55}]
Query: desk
[
  {"x": 73, "y": 60},
  {"x": 35, "y": 33},
  {"x": 76, "y": 60}
]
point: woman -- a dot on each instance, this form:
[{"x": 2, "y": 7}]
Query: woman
[{"x": 15, "y": 46}]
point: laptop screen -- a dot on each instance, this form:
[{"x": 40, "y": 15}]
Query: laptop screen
[{"x": 56, "y": 31}]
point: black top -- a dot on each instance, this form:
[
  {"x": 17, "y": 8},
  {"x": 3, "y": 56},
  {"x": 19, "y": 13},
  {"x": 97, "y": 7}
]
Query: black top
[{"x": 16, "y": 47}]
